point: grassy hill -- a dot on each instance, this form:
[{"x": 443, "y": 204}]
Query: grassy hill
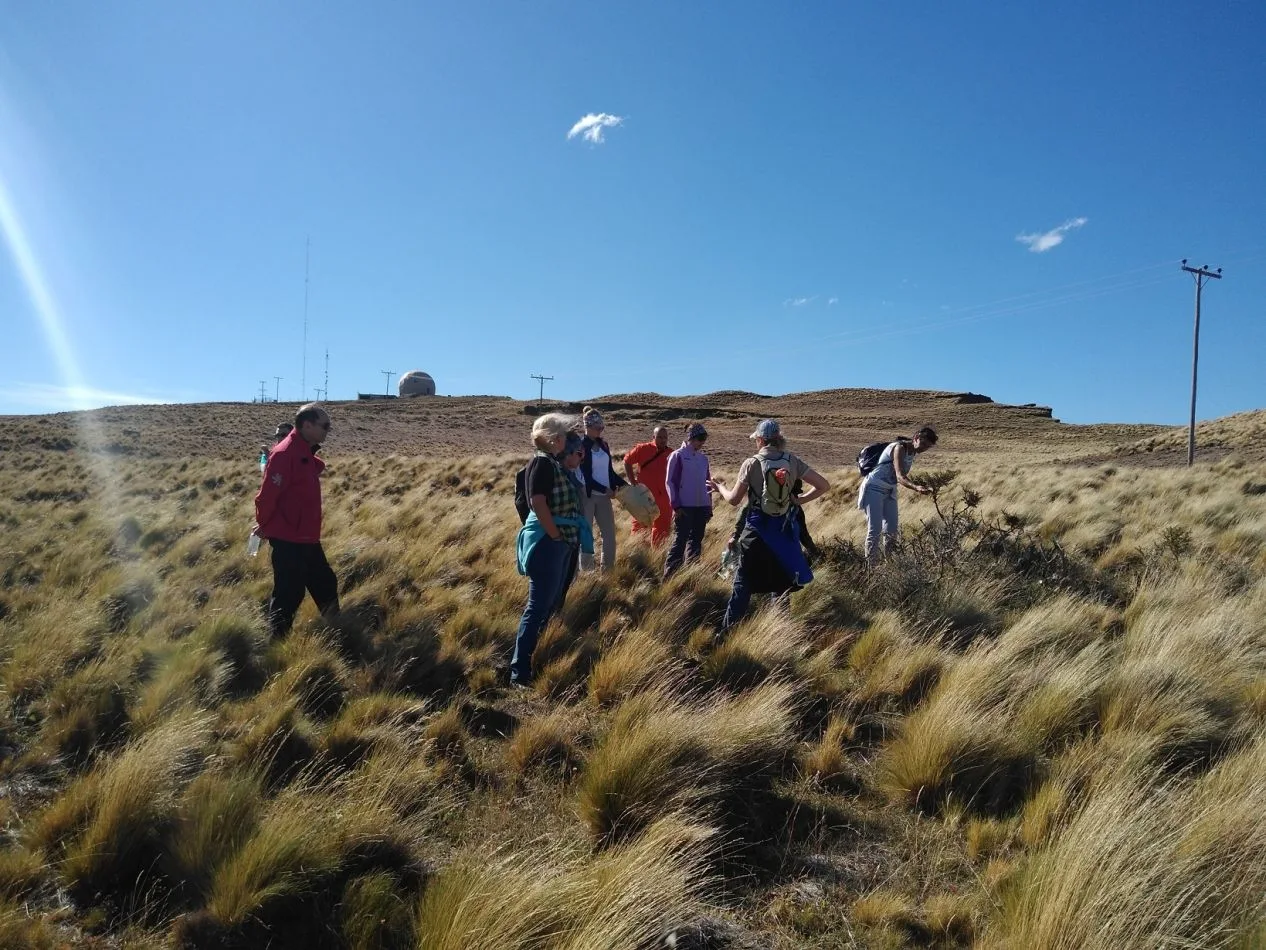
[{"x": 1041, "y": 725}]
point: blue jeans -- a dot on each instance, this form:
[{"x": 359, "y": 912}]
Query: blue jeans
[
  {"x": 547, "y": 569},
  {"x": 689, "y": 525}
]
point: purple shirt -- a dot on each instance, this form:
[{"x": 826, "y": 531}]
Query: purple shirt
[{"x": 687, "y": 472}]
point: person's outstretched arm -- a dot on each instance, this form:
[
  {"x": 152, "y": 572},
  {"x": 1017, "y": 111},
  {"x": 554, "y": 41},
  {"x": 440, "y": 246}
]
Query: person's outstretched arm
[{"x": 898, "y": 463}]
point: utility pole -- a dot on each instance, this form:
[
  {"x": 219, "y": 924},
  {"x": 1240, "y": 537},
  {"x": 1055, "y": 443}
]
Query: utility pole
[
  {"x": 1201, "y": 274},
  {"x": 263, "y": 393},
  {"x": 542, "y": 379},
  {"x": 326, "y": 388},
  {"x": 303, "y": 382},
  {"x": 277, "y": 392},
  {"x": 317, "y": 391},
  {"x": 389, "y": 373}
]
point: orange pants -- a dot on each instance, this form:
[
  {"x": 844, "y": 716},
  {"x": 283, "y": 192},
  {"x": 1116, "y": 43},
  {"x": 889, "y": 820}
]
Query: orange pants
[{"x": 662, "y": 527}]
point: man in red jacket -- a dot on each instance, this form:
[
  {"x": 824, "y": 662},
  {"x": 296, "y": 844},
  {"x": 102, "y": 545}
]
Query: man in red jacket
[
  {"x": 288, "y": 514},
  {"x": 651, "y": 459}
]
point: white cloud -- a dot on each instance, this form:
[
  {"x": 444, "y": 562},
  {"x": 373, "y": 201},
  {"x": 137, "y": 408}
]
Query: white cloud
[
  {"x": 590, "y": 127},
  {"x": 799, "y": 301},
  {"x": 1038, "y": 243},
  {"x": 46, "y": 397},
  {"x": 833, "y": 301}
]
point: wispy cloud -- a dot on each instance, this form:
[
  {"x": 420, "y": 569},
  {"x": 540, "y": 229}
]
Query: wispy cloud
[
  {"x": 590, "y": 127},
  {"x": 47, "y": 397},
  {"x": 833, "y": 301},
  {"x": 799, "y": 301},
  {"x": 1038, "y": 243}
]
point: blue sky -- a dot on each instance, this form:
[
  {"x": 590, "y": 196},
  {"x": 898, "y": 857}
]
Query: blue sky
[{"x": 987, "y": 197}]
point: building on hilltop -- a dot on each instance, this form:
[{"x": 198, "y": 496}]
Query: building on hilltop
[{"x": 416, "y": 383}]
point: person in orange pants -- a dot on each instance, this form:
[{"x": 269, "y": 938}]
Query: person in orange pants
[{"x": 651, "y": 459}]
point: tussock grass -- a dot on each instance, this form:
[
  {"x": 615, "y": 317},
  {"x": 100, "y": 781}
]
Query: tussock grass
[
  {"x": 126, "y": 814},
  {"x": 86, "y": 713},
  {"x": 550, "y": 744},
  {"x": 666, "y": 753},
  {"x": 634, "y": 661},
  {"x": 827, "y": 762},
  {"x": 1185, "y": 858},
  {"x": 768, "y": 643},
  {"x": 941, "y": 737},
  {"x": 23, "y": 929},
  {"x": 628, "y": 896}
]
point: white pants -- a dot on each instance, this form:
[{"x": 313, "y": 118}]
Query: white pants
[
  {"x": 879, "y": 501},
  {"x": 598, "y": 508}
]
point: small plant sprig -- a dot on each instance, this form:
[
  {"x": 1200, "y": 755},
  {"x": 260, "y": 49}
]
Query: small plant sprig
[{"x": 938, "y": 480}]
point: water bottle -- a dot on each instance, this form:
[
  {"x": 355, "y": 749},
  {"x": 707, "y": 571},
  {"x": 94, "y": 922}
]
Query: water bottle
[
  {"x": 252, "y": 545},
  {"x": 263, "y": 461},
  {"x": 727, "y": 564}
]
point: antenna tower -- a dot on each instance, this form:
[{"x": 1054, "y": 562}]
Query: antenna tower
[{"x": 325, "y": 392}]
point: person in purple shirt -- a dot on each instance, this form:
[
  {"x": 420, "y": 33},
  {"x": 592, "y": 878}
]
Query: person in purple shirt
[{"x": 686, "y": 481}]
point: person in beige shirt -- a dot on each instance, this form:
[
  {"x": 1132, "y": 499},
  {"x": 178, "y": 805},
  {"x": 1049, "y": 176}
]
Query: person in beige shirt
[{"x": 770, "y": 559}]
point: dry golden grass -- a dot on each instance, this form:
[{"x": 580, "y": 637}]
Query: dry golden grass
[{"x": 960, "y": 756}]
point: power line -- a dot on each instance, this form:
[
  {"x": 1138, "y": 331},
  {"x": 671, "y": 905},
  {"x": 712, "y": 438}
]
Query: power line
[
  {"x": 542, "y": 379},
  {"x": 263, "y": 392},
  {"x": 326, "y": 388},
  {"x": 277, "y": 393},
  {"x": 1201, "y": 274}
]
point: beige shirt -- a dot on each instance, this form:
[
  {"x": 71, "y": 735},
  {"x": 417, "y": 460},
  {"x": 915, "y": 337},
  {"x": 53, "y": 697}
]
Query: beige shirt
[{"x": 750, "y": 470}]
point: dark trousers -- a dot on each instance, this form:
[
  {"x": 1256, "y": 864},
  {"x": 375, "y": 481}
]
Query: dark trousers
[
  {"x": 298, "y": 568},
  {"x": 741, "y": 597},
  {"x": 547, "y": 570},
  {"x": 689, "y": 525}
]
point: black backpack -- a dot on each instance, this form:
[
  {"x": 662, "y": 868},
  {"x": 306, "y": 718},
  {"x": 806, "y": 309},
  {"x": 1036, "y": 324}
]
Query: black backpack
[
  {"x": 520, "y": 495},
  {"x": 868, "y": 457}
]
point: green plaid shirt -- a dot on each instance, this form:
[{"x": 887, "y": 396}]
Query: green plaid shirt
[{"x": 563, "y": 499}]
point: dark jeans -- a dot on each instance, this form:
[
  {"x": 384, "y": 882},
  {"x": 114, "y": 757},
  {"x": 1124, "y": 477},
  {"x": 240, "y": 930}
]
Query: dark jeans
[
  {"x": 688, "y": 528},
  {"x": 741, "y": 598},
  {"x": 547, "y": 569},
  {"x": 298, "y": 568}
]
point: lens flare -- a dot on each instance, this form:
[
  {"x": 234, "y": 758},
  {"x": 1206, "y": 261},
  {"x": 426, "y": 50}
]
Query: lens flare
[{"x": 44, "y": 305}]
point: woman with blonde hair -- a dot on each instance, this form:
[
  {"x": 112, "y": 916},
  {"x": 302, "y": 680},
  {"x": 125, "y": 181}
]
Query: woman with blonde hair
[{"x": 548, "y": 540}]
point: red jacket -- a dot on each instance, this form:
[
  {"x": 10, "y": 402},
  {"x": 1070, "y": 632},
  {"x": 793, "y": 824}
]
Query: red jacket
[{"x": 288, "y": 506}]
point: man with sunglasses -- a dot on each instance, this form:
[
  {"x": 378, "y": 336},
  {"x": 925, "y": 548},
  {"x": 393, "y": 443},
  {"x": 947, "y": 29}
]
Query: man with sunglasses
[{"x": 288, "y": 514}]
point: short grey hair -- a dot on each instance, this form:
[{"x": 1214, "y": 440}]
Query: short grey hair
[
  {"x": 312, "y": 412},
  {"x": 551, "y": 426}
]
